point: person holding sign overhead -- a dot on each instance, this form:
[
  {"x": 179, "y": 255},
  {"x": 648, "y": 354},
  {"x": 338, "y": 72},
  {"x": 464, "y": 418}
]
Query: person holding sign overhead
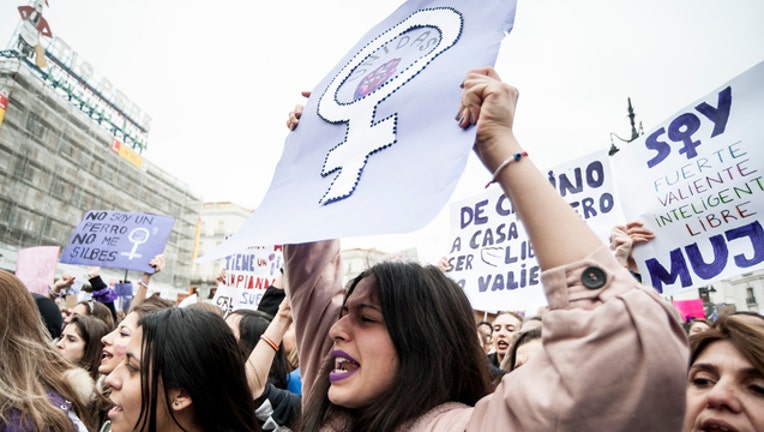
[{"x": 397, "y": 350}]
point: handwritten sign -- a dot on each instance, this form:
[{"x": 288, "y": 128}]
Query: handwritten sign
[
  {"x": 491, "y": 256},
  {"x": 248, "y": 275},
  {"x": 117, "y": 239},
  {"x": 36, "y": 267},
  {"x": 696, "y": 181},
  {"x": 387, "y": 107},
  {"x": 255, "y": 269}
]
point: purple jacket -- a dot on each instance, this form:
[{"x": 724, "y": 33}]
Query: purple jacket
[
  {"x": 15, "y": 424},
  {"x": 102, "y": 292}
]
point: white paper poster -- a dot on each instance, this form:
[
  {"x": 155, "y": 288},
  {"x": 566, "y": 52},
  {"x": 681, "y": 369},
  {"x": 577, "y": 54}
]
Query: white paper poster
[
  {"x": 696, "y": 181},
  {"x": 362, "y": 160}
]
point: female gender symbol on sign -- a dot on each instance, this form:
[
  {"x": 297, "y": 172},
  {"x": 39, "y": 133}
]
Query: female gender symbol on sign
[
  {"x": 138, "y": 236},
  {"x": 413, "y": 43}
]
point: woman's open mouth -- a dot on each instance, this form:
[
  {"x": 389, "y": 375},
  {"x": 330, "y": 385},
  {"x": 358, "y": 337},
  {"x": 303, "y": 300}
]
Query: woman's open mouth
[{"x": 344, "y": 366}]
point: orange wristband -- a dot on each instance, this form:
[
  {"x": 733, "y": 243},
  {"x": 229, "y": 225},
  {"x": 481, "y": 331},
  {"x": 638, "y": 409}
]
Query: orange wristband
[{"x": 270, "y": 342}]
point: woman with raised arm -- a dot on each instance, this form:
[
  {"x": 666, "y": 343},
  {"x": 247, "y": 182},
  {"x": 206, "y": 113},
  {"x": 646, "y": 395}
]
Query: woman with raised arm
[{"x": 401, "y": 352}]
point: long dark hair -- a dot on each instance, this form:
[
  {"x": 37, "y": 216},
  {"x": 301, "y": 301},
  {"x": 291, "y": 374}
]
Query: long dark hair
[
  {"x": 251, "y": 326},
  {"x": 194, "y": 350},
  {"x": 91, "y": 331},
  {"x": 430, "y": 322}
]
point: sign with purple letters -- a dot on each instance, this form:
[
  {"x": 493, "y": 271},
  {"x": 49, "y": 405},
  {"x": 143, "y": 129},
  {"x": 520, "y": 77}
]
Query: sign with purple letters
[
  {"x": 491, "y": 256},
  {"x": 696, "y": 181},
  {"x": 116, "y": 239},
  {"x": 378, "y": 149},
  {"x": 247, "y": 276}
]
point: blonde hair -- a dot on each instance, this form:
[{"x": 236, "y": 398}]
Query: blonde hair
[
  {"x": 293, "y": 358},
  {"x": 32, "y": 367}
]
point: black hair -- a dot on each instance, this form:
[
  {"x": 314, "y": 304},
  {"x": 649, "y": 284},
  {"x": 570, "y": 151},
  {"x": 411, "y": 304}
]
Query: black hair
[
  {"x": 91, "y": 330},
  {"x": 431, "y": 325},
  {"x": 194, "y": 350},
  {"x": 51, "y": 314}
]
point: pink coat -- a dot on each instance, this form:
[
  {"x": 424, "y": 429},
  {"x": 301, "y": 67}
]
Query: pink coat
[{"x": 614, "y": 357}]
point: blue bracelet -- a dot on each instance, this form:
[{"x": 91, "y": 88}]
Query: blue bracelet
[{"x": 514, "y": 158}]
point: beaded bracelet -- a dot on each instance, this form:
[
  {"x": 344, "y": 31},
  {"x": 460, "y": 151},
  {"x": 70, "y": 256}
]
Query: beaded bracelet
[
  {"x": 514, "y": 158},
  {"x": 270, "y": 342}
]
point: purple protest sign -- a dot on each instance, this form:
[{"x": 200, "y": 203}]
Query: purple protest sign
[
  {"x": 118, "y": 239},
  {"x": 124, "y": 289},
  {"x": 36, "y": 267}
]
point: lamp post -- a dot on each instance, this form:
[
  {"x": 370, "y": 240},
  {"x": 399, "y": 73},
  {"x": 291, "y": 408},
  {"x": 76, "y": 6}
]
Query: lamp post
[{"x": 634, "y": 133}]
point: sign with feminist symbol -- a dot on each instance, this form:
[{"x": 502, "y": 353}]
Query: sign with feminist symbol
[
  {"x": 698, "y": 176},
  {"x": 378, "y": 149},
  {"x": 117, "y": 239}
]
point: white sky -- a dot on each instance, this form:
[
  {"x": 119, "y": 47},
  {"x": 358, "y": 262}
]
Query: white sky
[{"x": 219, "y": 78}]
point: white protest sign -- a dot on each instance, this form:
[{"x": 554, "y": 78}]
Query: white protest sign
[
  {"x": 226, "y": 298},
  {"x": 247, "y": 276},
  {"x": 360, "y": 163},
  {"x": 696, "y": 181},
  {"x": 491, "y": 256}
]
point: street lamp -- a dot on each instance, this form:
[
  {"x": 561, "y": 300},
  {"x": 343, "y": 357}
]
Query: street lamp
[{"x": 634, "y": 134}]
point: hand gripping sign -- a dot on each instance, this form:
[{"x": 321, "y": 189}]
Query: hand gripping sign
[{"x": 378, "y": 150}]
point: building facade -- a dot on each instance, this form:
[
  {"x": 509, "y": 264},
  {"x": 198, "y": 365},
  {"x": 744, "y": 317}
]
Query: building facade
[
  {"x": 56, "y": 163},
  {"x": 218, "y": 221}
]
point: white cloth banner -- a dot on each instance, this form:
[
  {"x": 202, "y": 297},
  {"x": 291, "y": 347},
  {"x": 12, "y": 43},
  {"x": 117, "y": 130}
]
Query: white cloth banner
[
  {"x": 491, "y": 256},
  {"x": 378, "y": 150},
  {"x": 696, "y": 181}
]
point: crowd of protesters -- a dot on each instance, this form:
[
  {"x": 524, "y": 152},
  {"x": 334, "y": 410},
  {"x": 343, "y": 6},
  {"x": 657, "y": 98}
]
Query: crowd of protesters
[{"x": 396, "y": 349}]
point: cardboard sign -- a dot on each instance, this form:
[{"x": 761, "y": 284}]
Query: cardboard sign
[{"x": 117, "y": 239}]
